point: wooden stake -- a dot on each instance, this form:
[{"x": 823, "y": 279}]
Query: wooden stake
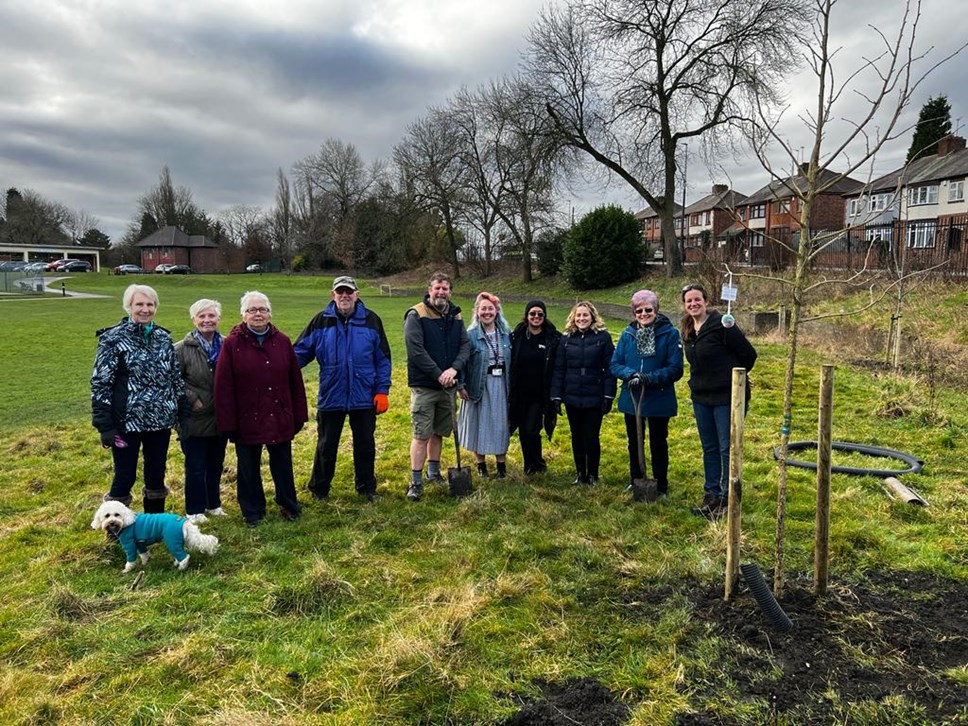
[
  {"x": 737, "y": 418},
  {"x": 821, "y": 536}
]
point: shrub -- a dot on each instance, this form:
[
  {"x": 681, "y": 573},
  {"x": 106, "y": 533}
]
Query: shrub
[
  {"x": 550, "y": 251},
  {"x": 603, "y": 249}
]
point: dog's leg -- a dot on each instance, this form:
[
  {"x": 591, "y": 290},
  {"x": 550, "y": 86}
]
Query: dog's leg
[
  {"x": 181, "y": 565},
  {"x": 145, "y": 556},
  {"x": 128, "y": 566}
]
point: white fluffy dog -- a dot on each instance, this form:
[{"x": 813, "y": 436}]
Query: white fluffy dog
[{"x": 136, "y": 531}]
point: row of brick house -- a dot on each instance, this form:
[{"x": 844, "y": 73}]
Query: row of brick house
[{"x": 917, "y": 215}]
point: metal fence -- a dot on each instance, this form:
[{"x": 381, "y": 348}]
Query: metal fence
[{"x": 22, "y": 283}]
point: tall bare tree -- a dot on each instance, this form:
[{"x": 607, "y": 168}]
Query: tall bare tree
[
  {"x": 429, "y": 158},
  {"x": 627, "y": 81},
  {"x": 872, "y": 94},
  {"x": 281, "y": 220}
]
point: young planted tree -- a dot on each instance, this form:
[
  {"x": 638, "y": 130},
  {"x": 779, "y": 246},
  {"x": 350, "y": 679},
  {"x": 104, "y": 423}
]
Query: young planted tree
[
  {"x": 883, "y": 84},
  {"x": 629, "y": 81}
]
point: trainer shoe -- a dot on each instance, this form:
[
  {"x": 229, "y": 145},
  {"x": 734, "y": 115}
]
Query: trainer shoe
[
  {"x": 217, "y": 512},
  {"x": 437, "y": 478},
  {"x": 415, "y": 492},
  {"x": 196, "y": 518}
]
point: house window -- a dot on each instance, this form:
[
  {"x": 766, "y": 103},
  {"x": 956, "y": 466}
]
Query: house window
[
  {"x": 956, "y": 191},
  {"x": 708, "y": 218},
  {"x": 880, "y": 234},
  {"x": 923, "y": 195},
  {"x": 781, "y": 207},
  {"x": 878, "y": 202},
  {"x": 756, "y": 239},
  {"x": 852, "y": 206},
  {"x": 758, "y": 211},
  {"x": 920, "y": 235}
]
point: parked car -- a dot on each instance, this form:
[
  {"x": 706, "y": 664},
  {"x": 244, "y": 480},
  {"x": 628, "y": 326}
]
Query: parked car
[
  {"x": 178, "y": 270},
  {"x": 163, "y": 268},
  {"x": 12, "y": 266},
  {"x": 255, "y": 267},
  {"x": 129, "y": 270},
  {"x": 35, "y": 267},
  {"x": 58, "y": 264},
  {"x": 75, "y": 266}
]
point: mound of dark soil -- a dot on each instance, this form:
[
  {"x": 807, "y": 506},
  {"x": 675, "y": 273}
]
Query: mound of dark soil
[{"x": 891, "y": 635}]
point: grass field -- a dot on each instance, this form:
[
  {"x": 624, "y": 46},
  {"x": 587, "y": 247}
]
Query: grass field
[{"x": 439, "y": 612}]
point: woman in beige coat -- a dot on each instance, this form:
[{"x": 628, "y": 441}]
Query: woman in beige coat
[{"x": 202, "y": 444}]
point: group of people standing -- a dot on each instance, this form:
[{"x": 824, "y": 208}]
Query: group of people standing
[{"x": 247, "y": 388}]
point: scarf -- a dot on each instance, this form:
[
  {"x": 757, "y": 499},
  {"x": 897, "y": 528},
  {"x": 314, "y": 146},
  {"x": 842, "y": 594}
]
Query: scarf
[
  {"x": 211, "y": 349},
  {"x": 645, "y": 341}
]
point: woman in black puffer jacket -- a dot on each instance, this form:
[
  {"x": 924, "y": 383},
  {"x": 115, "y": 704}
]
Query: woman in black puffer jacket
[{"x": 583, "y": 382}]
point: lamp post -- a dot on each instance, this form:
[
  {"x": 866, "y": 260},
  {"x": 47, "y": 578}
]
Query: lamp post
[{"x": 682, "y": 234}]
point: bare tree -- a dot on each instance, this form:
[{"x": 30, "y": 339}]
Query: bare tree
[
  {"x": 430, "y": 160},
  {"x": 281, "y": 220},
  {"x": 169, "y": 205},
  {"x": 626, "y": 81},
  {"x": 79, "y": 222},
  {"x": 884, "y": 85}
]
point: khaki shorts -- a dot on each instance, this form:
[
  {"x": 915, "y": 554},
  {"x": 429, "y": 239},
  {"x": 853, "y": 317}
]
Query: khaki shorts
[{"x": 431, "y": 412}]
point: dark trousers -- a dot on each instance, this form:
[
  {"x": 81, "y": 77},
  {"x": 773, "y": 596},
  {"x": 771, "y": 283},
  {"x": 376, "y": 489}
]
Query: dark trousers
[
  {"x": 531, "y": 419},
  {"x": 204, "y": 461},
  {"x": 586, "y": 445},
  {"x": 252, "y": 498},
  {"x": 658, "y": 428},
  {"x": 154, "y": 446},
  {"x": 329, "y": 430}
]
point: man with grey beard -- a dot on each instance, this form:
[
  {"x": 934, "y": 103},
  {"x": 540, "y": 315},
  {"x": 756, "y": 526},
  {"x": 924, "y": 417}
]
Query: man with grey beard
[{"x": 437, "y": 351}]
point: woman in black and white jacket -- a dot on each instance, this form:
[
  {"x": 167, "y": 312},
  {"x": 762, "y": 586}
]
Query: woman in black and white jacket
[{"x": 583, "y": 382}]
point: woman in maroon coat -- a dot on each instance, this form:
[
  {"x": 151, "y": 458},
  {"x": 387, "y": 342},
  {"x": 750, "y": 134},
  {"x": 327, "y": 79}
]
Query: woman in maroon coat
[{"x": 260, "y": 400}]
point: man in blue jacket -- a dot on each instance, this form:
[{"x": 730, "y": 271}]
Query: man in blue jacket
[{"x": 348, "y": 342}]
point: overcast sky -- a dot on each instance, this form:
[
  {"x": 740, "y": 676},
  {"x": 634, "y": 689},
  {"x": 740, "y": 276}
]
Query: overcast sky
[{"x": 97, "y": 96}]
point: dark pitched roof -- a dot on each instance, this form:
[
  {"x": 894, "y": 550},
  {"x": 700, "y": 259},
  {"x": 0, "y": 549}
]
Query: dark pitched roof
[
  {"x": 776, "y": 190},
  {"x": 174, "y": 237},
  {"x": 726, "y": 199},
  {"x": 648, "y": 212},
  {"x": 927, "y": 169}
]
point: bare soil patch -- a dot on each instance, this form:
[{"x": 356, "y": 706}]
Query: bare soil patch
[{"x": 889, "y": 636}]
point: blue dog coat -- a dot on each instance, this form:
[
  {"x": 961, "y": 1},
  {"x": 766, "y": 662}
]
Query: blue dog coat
[{"x": 150, "y": 528}]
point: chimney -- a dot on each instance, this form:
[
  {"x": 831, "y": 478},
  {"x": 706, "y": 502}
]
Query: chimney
[
  {"x": 950, "y": 144},
  {"x": 719, "y": 188}
]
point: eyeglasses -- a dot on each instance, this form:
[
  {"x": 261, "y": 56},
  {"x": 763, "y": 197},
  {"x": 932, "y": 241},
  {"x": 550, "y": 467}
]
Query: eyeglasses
[
  {"x": 343, "y": 291},
  {"x": 640, "y": 311},
  {"x": 693, "y": 286},
  {"x": 536, "y": 314},
  {"x": 253, "y": 311}
]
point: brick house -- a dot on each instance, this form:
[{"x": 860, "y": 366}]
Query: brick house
[
  {"x": 771, "y": 215},
  {"x": 918, "y": 213},
  {"x": 707, "y": 220},
  {"x": 652, "y": 228},
  {"x": 171, "y": 245}
]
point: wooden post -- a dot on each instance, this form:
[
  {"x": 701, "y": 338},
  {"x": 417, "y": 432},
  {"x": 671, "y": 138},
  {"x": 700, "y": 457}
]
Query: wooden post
[
  {"x": 781, "y": 325},
  {"x": 737, "y": 418},
  {"x": 821, "y": 536}
]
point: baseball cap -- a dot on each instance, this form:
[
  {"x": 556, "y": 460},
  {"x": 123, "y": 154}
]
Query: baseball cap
[{"x": 345, "y": 281}]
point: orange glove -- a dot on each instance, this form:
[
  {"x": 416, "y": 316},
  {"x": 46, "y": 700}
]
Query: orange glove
[{"x": 381, "y": 402}]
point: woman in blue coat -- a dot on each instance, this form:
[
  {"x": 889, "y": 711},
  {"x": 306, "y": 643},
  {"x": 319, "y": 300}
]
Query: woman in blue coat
[
  {"x": 583, "y": 382},
  {"x": 648, "y": 359}
]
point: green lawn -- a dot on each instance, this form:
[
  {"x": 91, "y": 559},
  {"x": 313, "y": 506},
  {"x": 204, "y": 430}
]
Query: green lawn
[{"x": 409, "y": 613}]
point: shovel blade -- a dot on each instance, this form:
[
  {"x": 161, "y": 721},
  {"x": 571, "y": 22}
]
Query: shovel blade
[
  {"x": 459, "y": 479},
  {"x": 645, "y": 490}
]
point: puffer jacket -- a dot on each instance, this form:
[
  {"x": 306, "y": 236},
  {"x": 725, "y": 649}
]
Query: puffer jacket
[
  {"x": 582, "y": 378},
  {"x": 199, "y": 386},
  {"x": 259, "y": 392},
  {"x": 712, "y": 355},
  {"x": 660, "y": 371},
  {"x": 353, "y": 357},
  {"x": 136, "y": 384}
]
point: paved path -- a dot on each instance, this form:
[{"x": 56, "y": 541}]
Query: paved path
[{"x": 58, "y": 291}]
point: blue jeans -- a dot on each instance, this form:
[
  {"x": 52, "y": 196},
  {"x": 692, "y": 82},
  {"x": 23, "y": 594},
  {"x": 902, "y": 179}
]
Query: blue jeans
[
  {"x": 713, "y": 425},
  {"x": 204, "y": 461}
]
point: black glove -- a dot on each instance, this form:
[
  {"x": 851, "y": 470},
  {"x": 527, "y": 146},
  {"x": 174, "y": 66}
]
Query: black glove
[
  {"x": 557, "y": 405},
  {"x": 107, "y": 438},
  {"x": 607, "y": 405},
  {"x": 636, "y": 380}
]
